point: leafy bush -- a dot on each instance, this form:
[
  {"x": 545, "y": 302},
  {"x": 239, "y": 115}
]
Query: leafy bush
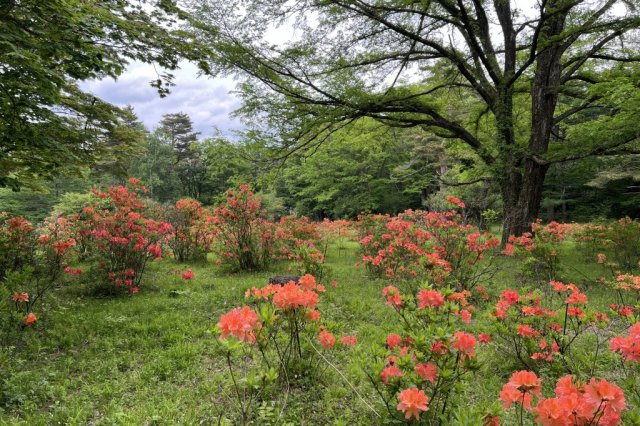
[
  {"x": 190, "y": 239},
  {"x": 418, "y": 245},
  {"x": 121, "y": 238},
  {"x": 244, "y": 239}
]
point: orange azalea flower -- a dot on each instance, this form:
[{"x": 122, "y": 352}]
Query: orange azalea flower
[
  {"x": 393, "y": 340},
  {"x": 430, "y": 299},
  {"x": 412, "y": 401},
  {"x": 464, "y": 343},
  {"x": 484, "y": 338},
  {"x": 491, "y": 421},
  {"x": 389, "y": 372},
  {"x": 20, "y": 297},
  {"x": 327, "y": 340},
  {"x": 552, "y": 412},
  {"x": 307, "y": 281},
  {"x": 605, "y": 393},
  {"x": 520, "y": 388},
  {"x": 349, "y": 340},
  {"x": 292, "y": 295},
  {"x": 393, "y": 296},
  {"x": 30, "y": 319},
  {"x": 428, "y": 371},
  {"x": 240, "y": 322},
  {"x": 313, "y": 315}
]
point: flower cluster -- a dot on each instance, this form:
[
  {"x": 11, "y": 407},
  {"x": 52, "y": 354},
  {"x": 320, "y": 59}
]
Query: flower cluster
[
  {"x": 191, "y": 239},
  {"x": 427, "y": 245},
  {"x": 532, "y": 331},
  {"x": 121, "y": 236},
  {"x": 540, "y": 249},
  {"x": 574, "y": 404},
  {"x": 628, "y": 346},
  {"x": 432, "y": 355},
  {"x": 241, "y": 323}
]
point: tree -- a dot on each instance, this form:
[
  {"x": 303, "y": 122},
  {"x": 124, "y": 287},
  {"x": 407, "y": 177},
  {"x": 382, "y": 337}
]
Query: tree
[
  {"x": 177, "y": 131},
  {"x": 397, "y": 61},
  {"x": 362, "y": 167},
  {"x": 46, "y": 121},
  {"x": 156, "y": 168}
]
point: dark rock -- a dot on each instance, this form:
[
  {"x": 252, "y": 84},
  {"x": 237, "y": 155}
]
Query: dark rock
[{"x": 283, "y": 279}]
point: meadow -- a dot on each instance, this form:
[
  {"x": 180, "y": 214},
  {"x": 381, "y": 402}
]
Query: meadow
[{"x": 163, "y": 354}]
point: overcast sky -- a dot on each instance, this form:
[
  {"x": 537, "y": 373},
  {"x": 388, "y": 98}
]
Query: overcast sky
[{"x": 207, "y": 101}]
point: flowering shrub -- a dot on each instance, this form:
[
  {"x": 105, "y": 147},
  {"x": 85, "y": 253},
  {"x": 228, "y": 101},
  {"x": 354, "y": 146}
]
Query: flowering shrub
[
  {"x": 298, "y": 240},
  {"x": 539, "y": 329},
  {"x": 539, "y": 250},
  {"x": 618, "y": 241},
  {"x": 33, "y": 261},
  {"x": 122, "y": 237},
  {"x": 276, "y": 335},
  {"x": 431, "y": 357},
  {"x": 244, "y": 238},
  {"x": 190, "y": 239},
  {"x": 598, "y": 402},
  {"x": 17, "y": 243},
  {"x": 418, "y": 245}
]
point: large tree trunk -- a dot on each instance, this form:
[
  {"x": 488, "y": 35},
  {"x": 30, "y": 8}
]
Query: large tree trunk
[{"x": 522, "y": 204}]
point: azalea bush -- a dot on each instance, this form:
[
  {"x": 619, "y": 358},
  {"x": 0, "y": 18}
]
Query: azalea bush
[
  {"x": 618, "y": 241},
  {"x": 418, "y": 245},
  {"x": 17, "y": 243},
  {"x": 299, "y": 240},
  {"x": 420, "y": 371},
  {"x": 122, "y": 237},
  {"x": 190, "y": 240},
  {"x": 34, "y": 260},
  {"x": 539, "y": 251},
  {"x": 244, "y": 238},
  {"x": 539, "y": 329},
  {"x": 275, "y": 339}
]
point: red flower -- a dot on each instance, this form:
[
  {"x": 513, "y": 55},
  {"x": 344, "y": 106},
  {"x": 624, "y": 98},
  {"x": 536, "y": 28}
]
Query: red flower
[
  {"x": 20, "y": 297},
  {"x": 240, "y": 322},
  {"x": 430, "y": 299},
  {"x": 327, "y": 340},
  {"x": 608, "y": 394},
  {"x": 428, "y": 371},
  {"x": 393, "y": 340},
  {"x": 388, "y": 372},
  {"x": 456, "y": 201},
  {"x": 484, "y": 338},
  {"x": 30, "y": 319},
  {"x": 526, "y": 331},
  {"x": 553, "y": 412},
  {"x": 188, "y": 274},
  {"x": 464, "y": 343},
  {"x": 349, "y": 340},
  {"x": 412, "y": 401},
  {"x": 307, "y": 281},
  {"x": 510, "y": 297},
  {"x": 393, "y": 296},
  {"x": 520, "y": 388}
]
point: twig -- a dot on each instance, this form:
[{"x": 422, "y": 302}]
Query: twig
[{"x": 343, "y": 377}]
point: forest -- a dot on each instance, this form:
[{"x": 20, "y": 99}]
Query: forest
[{"x": 417, "y": 189}]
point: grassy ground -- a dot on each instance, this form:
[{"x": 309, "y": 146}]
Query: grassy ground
[{"x": 150, "y": 359}]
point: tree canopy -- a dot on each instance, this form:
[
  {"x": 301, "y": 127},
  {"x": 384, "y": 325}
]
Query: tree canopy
[
  {"x": 47, "y": 122},
  {"x": 542, "y": 84}
]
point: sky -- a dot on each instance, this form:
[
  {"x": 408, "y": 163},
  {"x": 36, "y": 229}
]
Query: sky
[{"x": 207, "y": 101}]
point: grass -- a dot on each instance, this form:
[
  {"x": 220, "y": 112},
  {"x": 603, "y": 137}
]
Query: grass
[{"x": 151, "y": 359}]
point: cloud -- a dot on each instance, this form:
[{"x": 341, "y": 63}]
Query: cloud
[{"x": 207, "y": 101}]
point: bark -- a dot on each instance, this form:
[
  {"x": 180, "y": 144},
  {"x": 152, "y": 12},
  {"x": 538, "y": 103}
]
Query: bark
[{"x": 522, "y": 202}]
